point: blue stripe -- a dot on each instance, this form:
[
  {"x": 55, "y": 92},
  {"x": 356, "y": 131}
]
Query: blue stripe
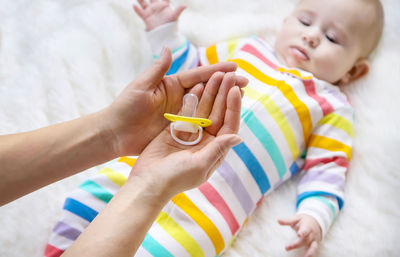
[
  {"x": 154, "y": 248},
  {"x": 294, "y": 168},
  {"x": 80, "y": 209},
  {"x": 176, "y": 64},
  {"x": 253, "y": 166},
  {"x": 267, "y": 141},
  {"x": 305, "y": 195}
]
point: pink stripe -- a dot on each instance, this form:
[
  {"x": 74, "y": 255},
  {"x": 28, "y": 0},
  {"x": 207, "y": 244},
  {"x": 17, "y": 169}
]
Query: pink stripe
[
  {"x": 52, "y": 251},
  {"x": 323, "y": 103},
  {"x": 341, "y": 161},
  {"x": 252, "y": 50},
  {"x": 218, "y": 202}
]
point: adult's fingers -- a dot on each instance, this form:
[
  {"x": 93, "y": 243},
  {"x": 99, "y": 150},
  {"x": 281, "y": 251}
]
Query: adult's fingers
[
  {"x": 151, "y": 77},
  {"x": 202, "y": 74},
  {"x": 211, "y": 155},
  {"x": 232, "y": 114},
  {"x": 241, "y": 81},
  {"x": 211, "y": 91},
  {"x": 218, "y": 110}
]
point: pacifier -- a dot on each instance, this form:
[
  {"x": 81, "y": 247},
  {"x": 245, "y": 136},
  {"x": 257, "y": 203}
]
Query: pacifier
[{"x": 186, "y": 122}]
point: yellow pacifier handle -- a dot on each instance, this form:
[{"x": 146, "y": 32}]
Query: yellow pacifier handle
[
  {"x": 186, "y": 122},
  {"x": 196, "y": 121}
]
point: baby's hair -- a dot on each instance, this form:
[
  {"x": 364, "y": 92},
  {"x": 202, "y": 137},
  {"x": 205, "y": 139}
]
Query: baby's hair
[{"x": 376, "y": 26}]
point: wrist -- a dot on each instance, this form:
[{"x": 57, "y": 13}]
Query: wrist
[
  {"x": 148, "y": 189},
  {"x": 107, "y": 132}
]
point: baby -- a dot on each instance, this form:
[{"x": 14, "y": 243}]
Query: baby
[{"x": 294, "y": 118}]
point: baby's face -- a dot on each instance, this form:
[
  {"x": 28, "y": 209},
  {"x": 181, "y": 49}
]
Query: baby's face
[{"x": 323, "y": 37}]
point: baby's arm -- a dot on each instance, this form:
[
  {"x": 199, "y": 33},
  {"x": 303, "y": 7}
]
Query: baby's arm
[
  {"x": 321, "y": 189},
  {"x": 162, "y": 30}
]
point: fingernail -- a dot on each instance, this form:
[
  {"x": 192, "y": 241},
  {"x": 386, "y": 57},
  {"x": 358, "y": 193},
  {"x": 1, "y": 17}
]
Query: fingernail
[
  {"x": 163, "y": 51},
  {"x": 235, "y": 140}
]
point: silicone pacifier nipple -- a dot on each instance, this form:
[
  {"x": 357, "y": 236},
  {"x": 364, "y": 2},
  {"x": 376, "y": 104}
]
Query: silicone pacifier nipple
[{"x": 187, "y": 122}]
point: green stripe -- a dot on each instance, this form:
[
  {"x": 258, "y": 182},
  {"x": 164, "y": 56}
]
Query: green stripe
[
  {"x": 96, "y": 190},
  {"x": 156, "y": 56},
  {"x": 329, "y": 204},
  {"x": 266, "y": 140}
]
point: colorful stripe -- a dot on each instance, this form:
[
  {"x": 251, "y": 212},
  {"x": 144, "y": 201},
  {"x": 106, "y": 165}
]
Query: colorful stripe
[
  {"x": 231, "y": 45},
  {"x": 325, "y": 106},
  {"x": 115, "y": 177},
  {"x": 339, "y": 122},
  {"x": 267, "y": 141},
  {"x": 177, "y": 63},
  {"x": 128, "y": 160},
  {"x": 273, "y": 110},
  {"x": 52, "y": 251},
  {"x": 253, "y": 51},
  {"x": 307, "y": 194},
  {"x": 326, "y": 202},
  {"x": 66, "y": 231},
  {"x": 96, "y": 190},
  {"x": 301, "y": 109},
  {"x": 186, "y": 205},
  {"x": 340, "y": 161},
  {"x": 154, "y": 248},
  {"x": 219, "y": 203},
  {"x": 253, "y": 166},
  {"x": 329, "y": 144},
  {"x": 179, "y": 234},
  {"x": 236, "y": 185},
  {"x": 212, "y": 56},
  {"x": 80, "y": 209}
]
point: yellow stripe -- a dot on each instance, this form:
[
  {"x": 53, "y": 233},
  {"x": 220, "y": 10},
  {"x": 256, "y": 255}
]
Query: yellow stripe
[
  {"x": 211, "y": 53},
  {"x": 179, "y": 234},
  {"x": 329, "y": 144},
  {"x": 302, "y": 110},
  {"x": 127, "y": 160},
  {"x": 232, "y": 44},
  {"x": 339, "y": 122},
  {"x": 278, "y": 116},
  {"x": 115, "y": 177},
  {"x": 183, "y": 202}
]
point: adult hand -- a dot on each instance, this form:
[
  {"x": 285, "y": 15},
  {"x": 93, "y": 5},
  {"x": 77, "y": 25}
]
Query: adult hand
[
  {"x": 136, "y": 116},
  {"x": 171, "y": 167}
]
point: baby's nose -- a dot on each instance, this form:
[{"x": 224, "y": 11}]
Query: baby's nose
[{"x": 311, "y": 38}]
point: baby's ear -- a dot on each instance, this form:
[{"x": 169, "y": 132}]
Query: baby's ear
[{"x": 359, "y": 69}]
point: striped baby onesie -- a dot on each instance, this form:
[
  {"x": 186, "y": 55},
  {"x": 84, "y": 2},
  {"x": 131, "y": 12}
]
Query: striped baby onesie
[{"x": 290, "y": 122}]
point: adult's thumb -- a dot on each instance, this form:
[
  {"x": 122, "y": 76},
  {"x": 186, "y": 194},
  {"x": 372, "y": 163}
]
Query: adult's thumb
[
  {"x": 215, "y": 151},
  {"x": 156, "y": 72}
]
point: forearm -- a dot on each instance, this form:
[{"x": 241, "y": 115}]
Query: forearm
[
  {"x": 34, "y": 159},
  {"x": 121, "y": 227}
]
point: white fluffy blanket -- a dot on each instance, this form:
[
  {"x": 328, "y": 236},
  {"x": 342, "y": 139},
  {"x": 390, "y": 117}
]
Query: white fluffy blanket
[{"x": 63, "y": 59}]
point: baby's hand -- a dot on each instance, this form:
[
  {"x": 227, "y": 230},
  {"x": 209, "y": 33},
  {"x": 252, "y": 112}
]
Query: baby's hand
[
  {"x": 308, "y": 231},
  {"x": 157, "y": 12}
]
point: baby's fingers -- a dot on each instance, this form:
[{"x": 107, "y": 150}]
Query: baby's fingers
[
  {"x": 138, "y": 11},
  {"x": 143, "y": 3},
  {"x": 178, "y": 11},
  {"x": 289, "y": 221},
  {"x": 312, "y": 250},
  {"x": 299, "y": 242}
]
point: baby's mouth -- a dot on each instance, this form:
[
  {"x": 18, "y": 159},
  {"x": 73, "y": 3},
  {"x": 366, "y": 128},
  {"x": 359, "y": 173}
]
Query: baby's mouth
[{"x": 299, "y": 53}]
